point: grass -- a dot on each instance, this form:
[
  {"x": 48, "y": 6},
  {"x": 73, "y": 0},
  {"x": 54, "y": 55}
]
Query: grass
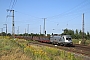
[
  {"x": 76, "y": 41},
  {"x": 41, "y": 53},
  {"x": 49, "y": 53},
  {"x": 9, "y": 50},
  {"x": 19, "y": 49}
]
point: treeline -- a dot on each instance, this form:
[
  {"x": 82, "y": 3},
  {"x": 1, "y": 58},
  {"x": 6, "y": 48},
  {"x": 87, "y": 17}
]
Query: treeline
[
  {"x": 4, "y": 34},
  {"x": 25, "y": 34},
  {"x": 77, "y": 34}
]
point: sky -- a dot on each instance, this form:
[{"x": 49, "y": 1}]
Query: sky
[{"x": 59, "y": 14}]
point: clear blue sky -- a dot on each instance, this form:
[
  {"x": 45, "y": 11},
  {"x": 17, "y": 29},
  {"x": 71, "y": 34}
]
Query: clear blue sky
[{"x": 60, "y": 14}]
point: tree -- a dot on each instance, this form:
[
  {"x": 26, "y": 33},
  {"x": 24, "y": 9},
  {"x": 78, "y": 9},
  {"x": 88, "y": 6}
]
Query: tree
[
  {"x": 48, "y": 35},
  {"x": 41, "y": 34},
  {"x": 3, "y": 34},
  {"x": 80, "y": 34},
  {"x": 9, "y": 34},
  {"x": 20, "y": 34},
  {"x": 68, "y": 32},
  {"x": 76, "y": 34}
]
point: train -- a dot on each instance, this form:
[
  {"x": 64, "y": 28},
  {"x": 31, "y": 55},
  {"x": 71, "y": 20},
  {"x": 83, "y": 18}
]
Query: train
[{"x": 62, "y": 40}]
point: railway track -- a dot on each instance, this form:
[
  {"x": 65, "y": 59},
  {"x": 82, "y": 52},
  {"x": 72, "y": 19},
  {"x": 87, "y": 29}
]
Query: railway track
[
  {"x": 84, "y": 50},
  {"x": 78, "y": 49}
]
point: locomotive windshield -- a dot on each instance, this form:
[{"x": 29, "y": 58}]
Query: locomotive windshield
[{"x": 68, "y": 38}]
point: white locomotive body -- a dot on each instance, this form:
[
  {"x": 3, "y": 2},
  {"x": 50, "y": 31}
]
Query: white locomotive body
[{"x": 61, "y": 40}]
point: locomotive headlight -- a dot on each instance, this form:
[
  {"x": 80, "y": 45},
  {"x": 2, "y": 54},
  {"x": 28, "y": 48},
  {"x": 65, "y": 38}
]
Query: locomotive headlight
[{"x": 71, "y": 42}]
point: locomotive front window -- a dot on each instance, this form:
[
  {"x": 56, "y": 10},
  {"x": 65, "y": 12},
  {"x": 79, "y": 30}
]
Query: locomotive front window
[
  {"x": 69, "y": 38},
  {"x": 66, "y": 38}
]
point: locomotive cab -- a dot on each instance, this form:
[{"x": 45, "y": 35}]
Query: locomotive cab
[{"x": 67, "y": 40}]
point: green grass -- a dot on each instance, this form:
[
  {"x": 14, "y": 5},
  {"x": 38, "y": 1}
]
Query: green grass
[
  {"x": 10, "y": 50},
  {"x": 19, "y": 50},
  {"x": 49, "y": 53},
  {"x": 76, "y": 41}
]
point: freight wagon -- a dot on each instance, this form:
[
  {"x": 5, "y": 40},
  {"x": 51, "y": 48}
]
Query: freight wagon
[{"x": 62, "y": 40}]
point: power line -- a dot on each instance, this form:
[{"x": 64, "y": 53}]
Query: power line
[
  {"x": 74, "y": 17},
  {"x": 68, "y": 11},
  {"x": 14, "y": 3},
  {"x": 28, "y": 14},
  {"x": 84, "y": 1},
  {"x": 10, "y": 4}
]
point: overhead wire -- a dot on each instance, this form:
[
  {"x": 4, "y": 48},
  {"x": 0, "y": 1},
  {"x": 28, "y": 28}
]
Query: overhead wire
[
  {"x": 79, "y": 12},
  {"x": 10, "y": 4},
  {"x": 68, "y": 11},
  {"x": 13, "y": 4},
  {"x": 48, "y": 17},
  {"x": 28, "y": 15},
  {"x": 8, "y": 10},
  {"x": 64, "y": 13},
  {"x": 59, "y": 14},
  {"x": 52, "y": 16},
  {"x": 29, "y": 19}
]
